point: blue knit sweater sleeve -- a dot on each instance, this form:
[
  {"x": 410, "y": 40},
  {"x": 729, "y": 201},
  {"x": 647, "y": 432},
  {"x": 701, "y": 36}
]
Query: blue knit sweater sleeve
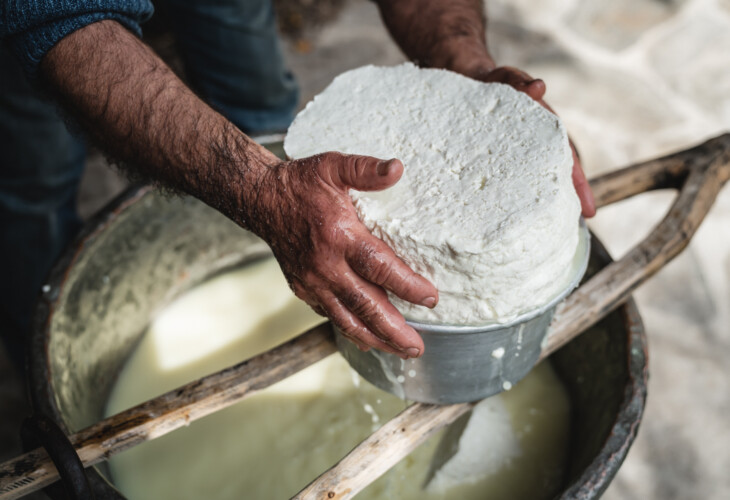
[{"x": 33, "y": 27}]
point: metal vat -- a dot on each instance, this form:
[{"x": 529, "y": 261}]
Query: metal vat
[{"x": 144, "y": 249}]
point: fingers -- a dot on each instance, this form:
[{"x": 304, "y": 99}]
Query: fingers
[
  {"x": 358, "y": 343},
  {"x": 376, "y": 262},
  {"x": 535, "y": 89},
  {"x": 361, "y": 310},
  {"x": 303, "y": 295},
  {"x": 587, "y": 203},
  {"x": 363, "y": 173},
  {"x": 356, "y": 332},
  {"x": 363, "y": 313},
  {"x": 519, "y": 80},
  {"x": 509, "y": 75},
  {"x": 319, "y": 268},
  {"x": 370, "y": 257},
  {"x": 582, "y": 188}
]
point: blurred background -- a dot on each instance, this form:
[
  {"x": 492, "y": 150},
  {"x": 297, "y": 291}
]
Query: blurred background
[{"x": 632, "y": 79}]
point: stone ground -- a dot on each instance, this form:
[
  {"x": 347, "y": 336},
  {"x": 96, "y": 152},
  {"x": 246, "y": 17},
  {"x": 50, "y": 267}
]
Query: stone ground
[{"x": 632, "y": 79}]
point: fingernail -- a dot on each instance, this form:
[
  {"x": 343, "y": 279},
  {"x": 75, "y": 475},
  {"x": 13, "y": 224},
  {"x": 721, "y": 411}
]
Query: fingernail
[
  {"x": 429, "y": 302},
  {"x": 384, "y": 167},
  {"x": 413, "y": 352}
]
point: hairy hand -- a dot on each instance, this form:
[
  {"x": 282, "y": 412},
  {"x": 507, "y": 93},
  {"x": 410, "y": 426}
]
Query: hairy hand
[
  {"x": 535, "y": 88},
  {"x": 451, "y": 35},
  {"x": 131, "y": 102},
  {"x": 302, "y": 209}
]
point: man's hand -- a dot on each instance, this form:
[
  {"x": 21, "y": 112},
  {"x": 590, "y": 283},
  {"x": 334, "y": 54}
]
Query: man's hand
[
  {"x": 332, "y": 262},
  {"x": 133, "y": 105},
  {"x": 451, "y": 35}
]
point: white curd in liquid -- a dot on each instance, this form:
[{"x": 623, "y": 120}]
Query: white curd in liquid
[{"x": 274, "y": 443}]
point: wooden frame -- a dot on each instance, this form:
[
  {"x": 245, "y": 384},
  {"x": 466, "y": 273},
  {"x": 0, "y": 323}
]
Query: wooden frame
[{"x": 698, "y": 173}]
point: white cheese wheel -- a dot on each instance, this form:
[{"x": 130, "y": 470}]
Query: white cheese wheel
[{"x": 486, "y": 208}]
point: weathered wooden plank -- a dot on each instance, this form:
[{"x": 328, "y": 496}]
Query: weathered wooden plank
[
  {"x": 175, "y": 409},
  {"x": 382, "y": 450},
  {"x": 706, "y": 169}
]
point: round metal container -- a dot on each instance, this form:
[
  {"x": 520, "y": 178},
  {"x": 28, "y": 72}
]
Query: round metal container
[
  {"x": 145, "y": 249},
  {"x": 466, "y": 363}
]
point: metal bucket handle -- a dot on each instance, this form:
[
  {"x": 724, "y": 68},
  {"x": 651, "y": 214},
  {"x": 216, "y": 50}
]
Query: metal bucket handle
[{"x": 698, "y": 173}]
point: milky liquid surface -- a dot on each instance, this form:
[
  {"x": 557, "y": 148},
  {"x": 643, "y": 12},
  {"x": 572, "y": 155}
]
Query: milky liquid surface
[{"x": 274, "y": 443}]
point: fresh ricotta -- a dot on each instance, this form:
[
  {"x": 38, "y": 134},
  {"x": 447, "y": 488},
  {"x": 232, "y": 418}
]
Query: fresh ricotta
[{"x": 485, "y": 209}]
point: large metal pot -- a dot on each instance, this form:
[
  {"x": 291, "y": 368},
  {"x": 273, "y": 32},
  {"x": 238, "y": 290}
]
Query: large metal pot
[{"x": 144, "y": 249}]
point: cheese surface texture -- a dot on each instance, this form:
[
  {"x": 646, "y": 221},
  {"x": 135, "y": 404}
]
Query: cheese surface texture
[{"x": 485, "y": 209}]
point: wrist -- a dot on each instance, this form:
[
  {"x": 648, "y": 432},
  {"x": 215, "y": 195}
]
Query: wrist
[{"x": 247, "y": 168}]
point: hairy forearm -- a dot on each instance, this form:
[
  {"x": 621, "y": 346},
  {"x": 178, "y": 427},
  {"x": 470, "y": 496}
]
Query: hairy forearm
[
  {"x": 135, "y": 107},
  {"x": 440, "y": 34},
  {"x": 130, "y": 102}
]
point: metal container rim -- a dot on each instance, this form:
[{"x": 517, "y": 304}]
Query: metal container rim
[{"x": 582, "y": 256}]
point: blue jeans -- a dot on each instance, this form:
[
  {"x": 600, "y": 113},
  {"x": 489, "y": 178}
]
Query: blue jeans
[
  {"x": 40, "y": 166},
  {"x": 233, "y": 60}
]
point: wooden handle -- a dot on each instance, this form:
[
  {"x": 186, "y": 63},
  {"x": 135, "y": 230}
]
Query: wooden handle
[
  {"x": 700, "y": 172},
  {"x": 175, "y": 409}
]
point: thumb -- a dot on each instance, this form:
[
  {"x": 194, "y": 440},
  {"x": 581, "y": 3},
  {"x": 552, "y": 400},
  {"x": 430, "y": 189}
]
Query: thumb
[
  {"x": 535, "y": 89},
  {"x": 365, "y": 173}
]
